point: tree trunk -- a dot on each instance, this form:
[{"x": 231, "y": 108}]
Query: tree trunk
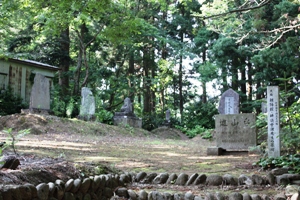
[{"x": 64, "y": 62}]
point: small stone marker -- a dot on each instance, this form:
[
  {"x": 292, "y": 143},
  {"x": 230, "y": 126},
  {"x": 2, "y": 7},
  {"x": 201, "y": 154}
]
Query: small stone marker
[
  {"x": 236, "y": 132},
  {"x": 264, "y": 106},
  {"x": 273, "y": 121},
  {"x": 126, "y": 116},
  {"x": 229, "y": 102},
  {"x": 168, "y": 115},
  {"x": 87, "y": 107},
  {"x": 167, "y": 121},
  {"x": 40, "y": 94}
]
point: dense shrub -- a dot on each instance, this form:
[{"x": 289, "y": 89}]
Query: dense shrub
[{"x": 10, "y": 103}]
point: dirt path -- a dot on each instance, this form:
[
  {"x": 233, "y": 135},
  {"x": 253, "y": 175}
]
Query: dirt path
[{"x": 71, "y": 148}]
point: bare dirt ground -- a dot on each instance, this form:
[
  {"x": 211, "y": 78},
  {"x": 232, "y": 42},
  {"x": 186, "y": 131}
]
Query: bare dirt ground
[{"x": 60, "y": 148}]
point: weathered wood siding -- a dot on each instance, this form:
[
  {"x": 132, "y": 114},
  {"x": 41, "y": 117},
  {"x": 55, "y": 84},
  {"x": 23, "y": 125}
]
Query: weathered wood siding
[{"x": 19, "y": 77}]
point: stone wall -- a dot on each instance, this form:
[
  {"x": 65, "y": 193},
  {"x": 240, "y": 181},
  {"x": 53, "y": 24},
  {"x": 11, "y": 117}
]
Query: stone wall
[{"x": 114, "y": 187}]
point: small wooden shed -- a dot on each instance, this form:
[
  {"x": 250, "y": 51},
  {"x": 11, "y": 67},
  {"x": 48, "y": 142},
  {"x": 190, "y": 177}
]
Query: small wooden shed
[{"x": 19, "y": 75}]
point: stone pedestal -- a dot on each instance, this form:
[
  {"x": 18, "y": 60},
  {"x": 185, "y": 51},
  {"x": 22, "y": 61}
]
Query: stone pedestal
[
  {"x": 214, "y": 151},
  {"x": 122, "y": 119}
]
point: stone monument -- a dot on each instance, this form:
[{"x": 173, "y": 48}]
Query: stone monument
[
  {"x": 40, "y": 95},
  {"x": 229, "y": 102},
  {"x": 233, "y": 131},
  {"x": 126, "y": 116},
  {"x": 273, "y": 121},
  {"x": 87, "y": 107},
  {"x": 167, "y": 122}
]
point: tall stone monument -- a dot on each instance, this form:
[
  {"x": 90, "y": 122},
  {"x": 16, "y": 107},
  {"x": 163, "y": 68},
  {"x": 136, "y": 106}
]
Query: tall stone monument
[
  {"x": 40, "y": 94},
  {"x": 167, "y": 121},
  {"x": 273, "y": 121},
  {"x": 126, "y": 116},
  {"x": 87, "y": 107},
  {"x": 233, "y": 131},
  {"x": 229, "y": 102}
]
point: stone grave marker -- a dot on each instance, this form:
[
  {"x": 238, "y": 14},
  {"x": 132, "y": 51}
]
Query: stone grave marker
[
  {"x": 236, "y": 132},
  {"x": 167, "y": 121},
  {"x": 126, "y": 116},
  {"x": 87, "y": 107},
  {"x": 40, "y": 94},
  {"x": 273, "y": 121},
  {"x": 229, "y": 102}
]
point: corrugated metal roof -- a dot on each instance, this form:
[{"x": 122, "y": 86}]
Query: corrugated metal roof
[{"x": 34, "y": 63}]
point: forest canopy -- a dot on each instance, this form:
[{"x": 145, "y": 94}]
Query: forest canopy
[{"x": 177, "y": 55}]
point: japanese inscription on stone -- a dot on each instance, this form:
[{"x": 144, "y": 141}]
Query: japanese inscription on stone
[
  {"x": 229, "y": 102},
  {"x": 273, "y": 121},
  {"x": 236, "y": 131}
]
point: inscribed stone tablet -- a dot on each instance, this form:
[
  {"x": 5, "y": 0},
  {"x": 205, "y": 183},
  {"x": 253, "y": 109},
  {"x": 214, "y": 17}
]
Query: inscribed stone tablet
[
  {"x": 236, "y": 132},
  {"x": 229, "y": 102},
  {"x": 40, "y": 93}
]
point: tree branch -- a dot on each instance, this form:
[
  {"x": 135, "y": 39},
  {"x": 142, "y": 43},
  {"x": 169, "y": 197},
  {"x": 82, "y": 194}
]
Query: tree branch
[{"x": 236, "y": 10}]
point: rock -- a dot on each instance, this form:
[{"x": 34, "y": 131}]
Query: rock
[
  {"x": 69, "y": 184},
  {"x": 132, "y": 195},
  {"x": 76, "y": 185},
  {"x": 258, "y": 180},
  {"x": 245, "y": 180},
  {"x": 192, "y": 179},
  {"x": 51, "y": 189},
  {"x": 142, "y": 195},
  {"x": 280, "y": 171},
  {"x": 209, "y": 196},
  {"x": 182, "y": 179},
  {"x": 172, "y": 178},
  {"x": 59, "y": 191},
  {"x": 102, "y": 182},
  {"x": 125, "y": 178},
  {"x": 255, "y": 197},
  {"x": 295, "y": 196},
  {"x": 280, "y": 197},
  {"x": 214, "y": 180},
  {"x": 201, "y": 179},
  {"x": 282, "y": 179},
  {"x": 87, "y": 197},
  {"x": 149, "y": 178},
  {"x": 25, "y": 192},
  {"x": 291, "y": 189},
  {"x": 178, "y": 196},
  {"x": 140, "y": 176},
  {"x": 32, "y": 189},
  {"x": 198, "y": 198},
  {"x": 6, "y": 193},
  {"x": 189, "y": 196},
  {"x": 11, "y": 163},
  {"x": 69, "y": 196},
  {"x": 168, "y": 196},
  {"x": 122, "y": 192},
  {"x": 265, "y": 197},
  {"x": 108, "y": 192},
  {"x": 161, "y": 178},
  {"x": 230, "y": 180},
  {"x": 235, "y": 196},
  {"x": 270, "y": 178},
  {"x": 219, "y": 196},
  {"x": 42, "y": 191},
  {"x": 85, "y": 185},
  {"x": 246, "y": 196}
]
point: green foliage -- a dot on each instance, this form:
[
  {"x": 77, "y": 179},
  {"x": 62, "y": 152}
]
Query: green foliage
[
  {"x": 104, "y": 116},
  {"x": 198, "y": 130},
  {"x": 288, "y": 161},
  {"x": 151, "y": 121},
  {"x": 10, "y": 103},
  {"x": 12, "y": 139},
  {"x": 201, "y": 114}
]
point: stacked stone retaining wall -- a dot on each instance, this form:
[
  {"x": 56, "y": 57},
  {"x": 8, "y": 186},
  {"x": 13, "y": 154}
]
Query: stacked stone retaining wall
[{"x": 108, "y": 186}]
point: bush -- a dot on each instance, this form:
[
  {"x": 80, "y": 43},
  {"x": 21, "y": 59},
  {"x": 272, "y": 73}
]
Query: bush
[{"x": 10, "y": 103}]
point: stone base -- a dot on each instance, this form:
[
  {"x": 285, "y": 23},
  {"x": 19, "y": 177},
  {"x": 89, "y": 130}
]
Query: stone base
[
  {"x": 214, "y": 151},
  {"x": 87, "y": 117},
  {"x": 128, "y": 120}
]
